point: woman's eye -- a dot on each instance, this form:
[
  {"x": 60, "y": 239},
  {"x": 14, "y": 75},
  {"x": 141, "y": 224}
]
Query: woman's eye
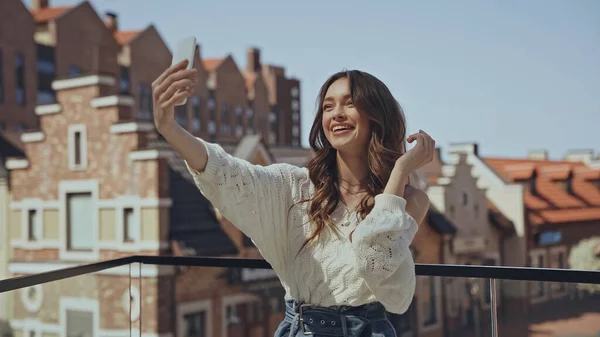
[
  {"x": 326, "y": 107},
  {"x": 349, "y": 103}
]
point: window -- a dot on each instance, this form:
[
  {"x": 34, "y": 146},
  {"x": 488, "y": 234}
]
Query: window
[
  {"x": 212, "y": 108},
  {"x": 79, "y": 222},
  {"x": 428, "y": 298},
  {"x": 131, "y": 230},
  {"x": 46, "y": 73},
  {"x": 295, "y": 130},
  {"x": 79, "y": 323},
  {"x": 196, "y": 113},
  {"x": 295, "y": 106},
  {"x": 144, "y": 101},
  {"x": 274, "y": 130},
  {"x": 1, "y": 77},
  {"x": 250, "y": 118},
  {"x": 465, "y": 199},
  {"x": 77, "y": 139},
  {"x": 295, "y": 92},
  {"x": 239, "y": 117},
  {"x": 195, "y": 324},
  {"x": 74, "y": 70},
  {"x": 225, "y": 120},
  {"x": 2, "y": 127},
  {"x": 125, "y": 81},
  {"x": 77, "y": 148},
  {"x": 20, "y": 78},
  {"x": 34, "y": 228},
  {"x": 194, "y": 319}
]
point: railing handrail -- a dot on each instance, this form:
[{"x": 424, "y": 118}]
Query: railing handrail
[{"x": 440, "y": 270}]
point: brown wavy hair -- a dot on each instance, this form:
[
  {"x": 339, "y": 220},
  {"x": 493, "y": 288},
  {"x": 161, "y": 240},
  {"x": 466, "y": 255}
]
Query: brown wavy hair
[{"x": 373, "y": 99}]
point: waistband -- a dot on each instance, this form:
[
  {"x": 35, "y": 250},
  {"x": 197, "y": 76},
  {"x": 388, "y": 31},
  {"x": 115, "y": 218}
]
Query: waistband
[{"x": 334, "y": 321}]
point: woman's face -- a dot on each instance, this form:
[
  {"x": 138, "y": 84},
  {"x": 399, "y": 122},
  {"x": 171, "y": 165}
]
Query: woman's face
[{"x": 345, "y": 128}]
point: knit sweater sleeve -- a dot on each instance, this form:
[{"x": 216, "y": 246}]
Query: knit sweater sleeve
[
  {"x": 254, "y": 198},
  {"x": 382, "y": 255}
]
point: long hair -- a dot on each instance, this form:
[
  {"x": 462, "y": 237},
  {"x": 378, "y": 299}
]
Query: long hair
[{"x": 373, "y": 99}]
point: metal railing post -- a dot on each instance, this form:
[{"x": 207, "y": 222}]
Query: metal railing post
[{"x": 493, "y": 308}]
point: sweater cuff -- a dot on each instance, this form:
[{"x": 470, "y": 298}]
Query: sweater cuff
[
  {"x": 212, "y": 165},
  {"x": 390, "y": 202}
]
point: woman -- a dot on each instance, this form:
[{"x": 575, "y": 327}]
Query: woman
[{"x": 338, "y": 232}]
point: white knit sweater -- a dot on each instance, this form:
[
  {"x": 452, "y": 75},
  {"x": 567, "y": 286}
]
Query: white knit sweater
[{"x": 264, "y": 203}]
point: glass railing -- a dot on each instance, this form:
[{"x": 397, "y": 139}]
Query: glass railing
[{"x": 160, "y": 296}]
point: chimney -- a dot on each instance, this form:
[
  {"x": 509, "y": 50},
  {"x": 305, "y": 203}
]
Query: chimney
[
  {"x": 538, "y": 155},
  {"x": 467, "y": 148},
  {"x": 253, "y": 60},
  {"x": 111, "y": 21},
  {"x": 39, "y": 4},
  {"x": 584, "y": 156}
]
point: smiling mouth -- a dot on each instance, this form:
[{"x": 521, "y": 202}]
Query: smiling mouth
[{"x": 341, "y": 129}]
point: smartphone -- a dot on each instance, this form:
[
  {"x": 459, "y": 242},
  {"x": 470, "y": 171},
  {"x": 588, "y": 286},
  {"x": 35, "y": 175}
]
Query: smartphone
[{"x": 185, "y": 50}]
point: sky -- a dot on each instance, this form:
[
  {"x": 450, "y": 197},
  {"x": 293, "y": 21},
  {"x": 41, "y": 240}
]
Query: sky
[{"x": 510, "y": 75}]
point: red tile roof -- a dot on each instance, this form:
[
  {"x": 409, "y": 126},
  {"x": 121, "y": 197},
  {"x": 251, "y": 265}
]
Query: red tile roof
[
  {"x": 212, "y": 64},
  {"x": 551, "y": 201},
  {"x": 49, "y": 13},
  {"x": 124, "y": 37}
]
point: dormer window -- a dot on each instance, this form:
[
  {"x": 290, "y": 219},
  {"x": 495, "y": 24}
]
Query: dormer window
[{"x": 77, "y": 139}]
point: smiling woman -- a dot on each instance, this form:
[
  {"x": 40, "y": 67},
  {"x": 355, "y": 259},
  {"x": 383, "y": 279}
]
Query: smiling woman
[{"x": 336, "y": 233}]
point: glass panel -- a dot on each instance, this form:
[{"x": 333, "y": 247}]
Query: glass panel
[
  {"x": 228, "y": 302},
  {"x": 549, "y": 309},
  {"x": 90, "y": 305}
]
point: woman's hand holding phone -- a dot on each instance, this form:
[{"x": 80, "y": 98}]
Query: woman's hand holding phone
[{"x": 175, "y": 84}]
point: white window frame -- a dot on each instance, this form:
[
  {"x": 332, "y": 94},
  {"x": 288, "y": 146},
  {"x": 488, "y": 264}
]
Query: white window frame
[
  {"x": 38, "y": 206},
  {"x": 79, "y": 304},
  {"x": 78, "y": 186},
  {"x": 73, "y": 128},
  {"x": 437, "y": 299},
  {"x": 134, "y": 203},
  {"x": 233, "y": 300},
  {"x": 555, "y": 292},
  {"x": 192, "y": 307},
  {"x": 533, "y": 255}
]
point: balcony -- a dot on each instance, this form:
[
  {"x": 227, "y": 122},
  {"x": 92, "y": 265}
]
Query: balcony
[{"x": 152, "y": 296}]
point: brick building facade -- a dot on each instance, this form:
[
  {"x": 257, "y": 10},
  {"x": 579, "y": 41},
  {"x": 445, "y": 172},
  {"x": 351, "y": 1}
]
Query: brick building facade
[{"x": 18, "y": 75}]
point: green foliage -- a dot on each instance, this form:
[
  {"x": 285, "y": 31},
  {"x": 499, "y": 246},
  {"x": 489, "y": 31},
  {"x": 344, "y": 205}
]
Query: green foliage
[{"x": 586, "y": 256}]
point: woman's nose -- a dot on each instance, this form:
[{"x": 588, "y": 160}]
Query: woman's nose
[{"x": 339, "y": 114}]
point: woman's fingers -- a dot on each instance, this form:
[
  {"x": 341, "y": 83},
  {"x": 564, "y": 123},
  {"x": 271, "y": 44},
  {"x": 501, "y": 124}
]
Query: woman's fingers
[
  {"x": 175, "y": 88},
  {"x": 172, "y": 78},
  {"x": 180, "y": 95}
]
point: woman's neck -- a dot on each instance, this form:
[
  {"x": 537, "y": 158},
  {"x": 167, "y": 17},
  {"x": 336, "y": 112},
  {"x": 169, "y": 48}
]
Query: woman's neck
[{"x": 352, "y": 171}]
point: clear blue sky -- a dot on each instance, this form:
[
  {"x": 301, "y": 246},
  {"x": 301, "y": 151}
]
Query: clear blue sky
[{"x": 511, "y": 75}]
